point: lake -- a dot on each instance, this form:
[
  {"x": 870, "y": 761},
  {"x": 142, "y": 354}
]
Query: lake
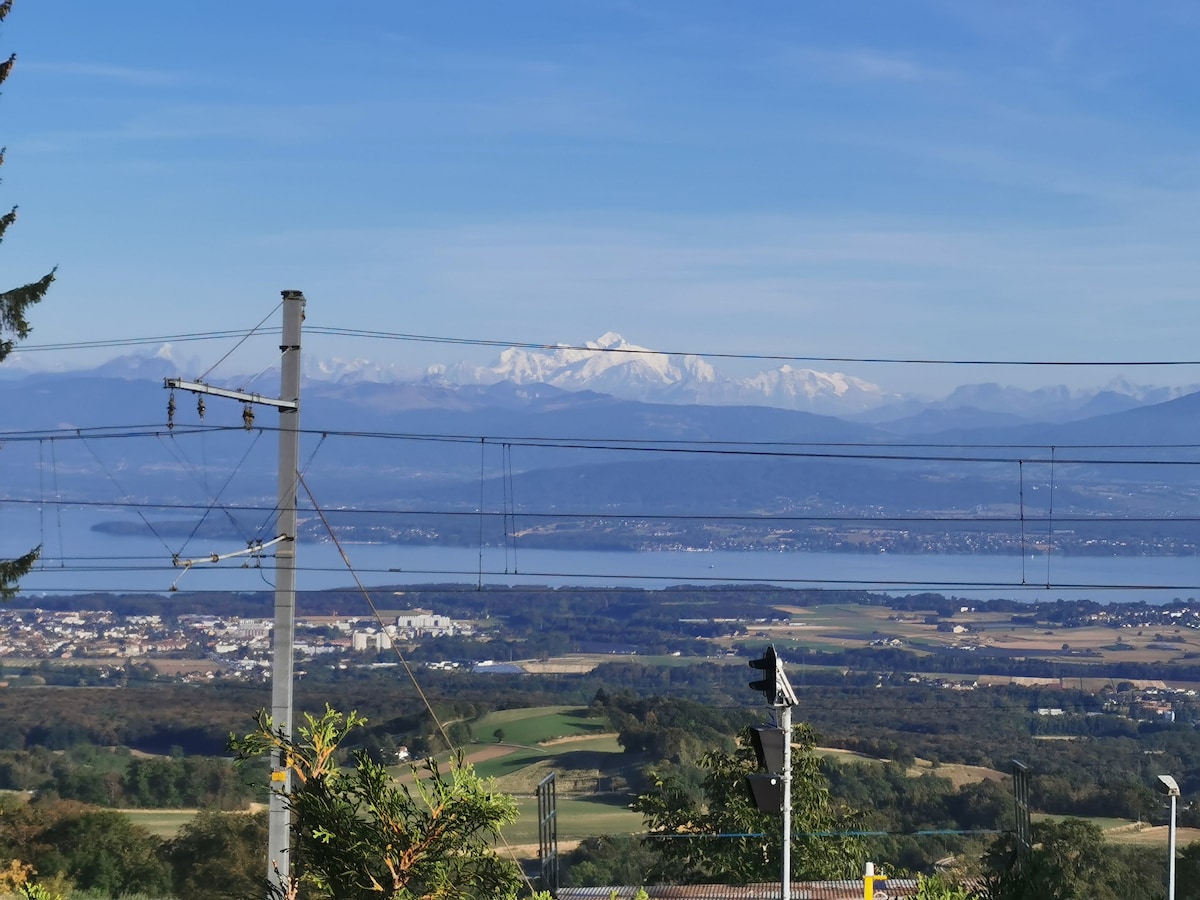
[{"x": 78, "y": 560}]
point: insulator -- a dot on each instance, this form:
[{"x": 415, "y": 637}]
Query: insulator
[
  {"x": 247, "y": 417},
  {"x": 171, "y": 411},
  {"x": 200, "y": 405}
]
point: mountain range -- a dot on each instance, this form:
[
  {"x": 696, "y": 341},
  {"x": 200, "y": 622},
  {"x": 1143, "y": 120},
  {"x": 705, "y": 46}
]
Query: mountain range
[
  {"x": 528, "y": 434},
  {"x": 616, "y": 367}
]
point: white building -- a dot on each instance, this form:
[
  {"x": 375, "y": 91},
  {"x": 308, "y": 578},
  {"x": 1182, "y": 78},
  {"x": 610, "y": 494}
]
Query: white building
[
  {"x": 425, "y": 621},
  {"x": 363, "y": 641}
]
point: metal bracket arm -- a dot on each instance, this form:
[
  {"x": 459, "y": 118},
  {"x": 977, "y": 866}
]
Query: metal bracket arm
[
  {"x": 255, "y": 547},
  {"x": 199, "y": 387}
]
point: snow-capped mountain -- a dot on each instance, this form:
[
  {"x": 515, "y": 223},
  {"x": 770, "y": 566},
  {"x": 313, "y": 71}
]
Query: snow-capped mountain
[
  {"x": 612, "y": 365},
  {"x": 791, "y": 388},
  {"x": 610, "y": 359},
  {"x": 356, "y": 370}
]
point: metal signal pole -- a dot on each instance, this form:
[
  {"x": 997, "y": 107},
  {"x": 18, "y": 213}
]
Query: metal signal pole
[
  {"x": 785, "y": 722},
  {"x": 773, "y": 746},
  {"x": 283, "y": 635}
]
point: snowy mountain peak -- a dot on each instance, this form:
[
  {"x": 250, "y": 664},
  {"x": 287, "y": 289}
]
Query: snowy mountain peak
[
  {"x": 610, "y": 339},
  {"x": 612, "y": 365}
]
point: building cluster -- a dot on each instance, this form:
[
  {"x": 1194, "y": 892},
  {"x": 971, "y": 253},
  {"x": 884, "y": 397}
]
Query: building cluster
[
  {"x": 238, "y": 644},
  {"x": 42, "y": 634}
]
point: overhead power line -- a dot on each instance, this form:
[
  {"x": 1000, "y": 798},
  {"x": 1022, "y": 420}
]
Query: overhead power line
[
  {"x": 370, "y": 334},
  {"x": 115, "y": 343},
  {"x": 883, "y": 451},
  {"x": 710, "y": 354},
  {"x": 638, "y": 515}
]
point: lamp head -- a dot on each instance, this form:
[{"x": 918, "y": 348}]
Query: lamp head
[{"x": 1167, "y": 785}]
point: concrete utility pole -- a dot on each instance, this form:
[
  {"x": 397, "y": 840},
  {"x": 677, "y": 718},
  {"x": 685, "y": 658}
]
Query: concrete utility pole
[{"x": 283, "y": 635}]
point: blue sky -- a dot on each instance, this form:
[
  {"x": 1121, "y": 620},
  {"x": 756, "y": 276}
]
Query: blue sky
[{"x": 909, "y": 179}]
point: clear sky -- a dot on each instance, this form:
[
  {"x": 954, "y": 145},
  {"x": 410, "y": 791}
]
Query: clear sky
[{"x": 941, "y": 179}]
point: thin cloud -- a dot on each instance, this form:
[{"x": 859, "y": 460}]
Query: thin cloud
[
  {"x": 853, "y": 65},
  {"x": 122, "y": 74}
]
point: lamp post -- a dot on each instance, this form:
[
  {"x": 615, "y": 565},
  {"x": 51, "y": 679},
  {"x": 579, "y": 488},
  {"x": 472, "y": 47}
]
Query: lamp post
[{"x": 1167, "y": 785}]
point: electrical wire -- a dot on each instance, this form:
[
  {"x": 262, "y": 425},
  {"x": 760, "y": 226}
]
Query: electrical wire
[
  {"x": 245, "y": 337},
  {"x": 337, "y": 331},
  {"x": 743, "y": 447},
  {"x": 913, "y": 453},
  {"x": 638, "y": 515},
  {"x": 767, "y": 357},
  {"x": 116, "y": 343},
  {"x": 457, "y": 756}
]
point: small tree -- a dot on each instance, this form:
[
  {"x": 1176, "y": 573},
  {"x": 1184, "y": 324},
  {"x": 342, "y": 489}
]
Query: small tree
[
  {"x": 687, "y": 833},
  {"x": 1070, "y": 860},
  {"x": 219, "y": 855},
  {"x": 15, "y": 327},
  {"x": 361, "y": 834},
  {"x": 940, "y": 887}
]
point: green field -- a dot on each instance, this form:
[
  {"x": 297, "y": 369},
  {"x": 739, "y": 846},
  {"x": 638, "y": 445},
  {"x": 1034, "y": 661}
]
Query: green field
[
  {"x": 165, "y": 823},
  {"x": 577, "y": 818},
  {"x": 512, "y": 762},
  {"x": 532, "y": 726}
]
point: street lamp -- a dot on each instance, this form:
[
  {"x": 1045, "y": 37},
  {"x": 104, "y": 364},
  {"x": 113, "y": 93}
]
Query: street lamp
[{"x": 1169, "y": 786}]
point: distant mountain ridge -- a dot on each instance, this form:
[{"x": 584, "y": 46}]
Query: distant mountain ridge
[
  {"x": 613, "y": 366},
  {"x": 441, "y": 453}
]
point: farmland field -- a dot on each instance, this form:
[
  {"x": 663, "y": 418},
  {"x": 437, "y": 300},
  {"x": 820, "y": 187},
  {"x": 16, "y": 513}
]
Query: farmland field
[
  {"x": 577, "y": 818},
  {"x": 164, "y": 823},
  {"x": 533, "y": 726}
]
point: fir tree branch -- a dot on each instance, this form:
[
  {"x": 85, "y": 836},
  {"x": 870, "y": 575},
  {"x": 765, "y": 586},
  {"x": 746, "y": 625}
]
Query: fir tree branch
[{"x": 13, "y": 569}]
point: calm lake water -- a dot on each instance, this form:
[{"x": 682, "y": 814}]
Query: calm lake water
[{"x": 77, "y": 559}]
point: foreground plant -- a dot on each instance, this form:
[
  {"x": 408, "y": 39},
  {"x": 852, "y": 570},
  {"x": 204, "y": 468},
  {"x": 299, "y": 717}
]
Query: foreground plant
[{"x": 359, "y": 833}]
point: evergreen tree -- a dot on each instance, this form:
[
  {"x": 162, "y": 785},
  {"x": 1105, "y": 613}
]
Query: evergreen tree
[{"x": 14, "y": 327}]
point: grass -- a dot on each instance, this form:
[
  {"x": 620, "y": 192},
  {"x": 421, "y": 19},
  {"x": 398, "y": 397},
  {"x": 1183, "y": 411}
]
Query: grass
[
  {"x": 518, "y": 759},
  {"x": 163, "y": 823},
  {"x": 957, "y": 774},
  {"x": 532, "y": 726},
  {"x": 1127, "y": 831},
  {"x": 844, "y": 756},
  {"x": 577, "y": 818}
]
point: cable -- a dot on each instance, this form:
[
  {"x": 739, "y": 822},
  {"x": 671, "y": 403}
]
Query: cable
[
  {"x": 571, "y": 581},
  {"x": 1021, "y": 496},
  {"x": 926, "y": 832},
  {"x": 117, "y": 484},
  {"x": 639, "y": 515},
  {"x": 113, "y": 343},
  {"x": 336, "y": 331},
  {"x": 482, "y": 470},
  {"x": 215, "y": 503},
  {"x": 456, "y": 751},
  {"x": 1049, "y": 519},
  {"x": 243, "y": 340},
  {"x": 1054, "y": 460},
  {"x": 768, "y": 357},
  {"x": 788, "y": 449}
]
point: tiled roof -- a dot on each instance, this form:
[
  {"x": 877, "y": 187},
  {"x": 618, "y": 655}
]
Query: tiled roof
[{"x": 801, "y": 890}]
